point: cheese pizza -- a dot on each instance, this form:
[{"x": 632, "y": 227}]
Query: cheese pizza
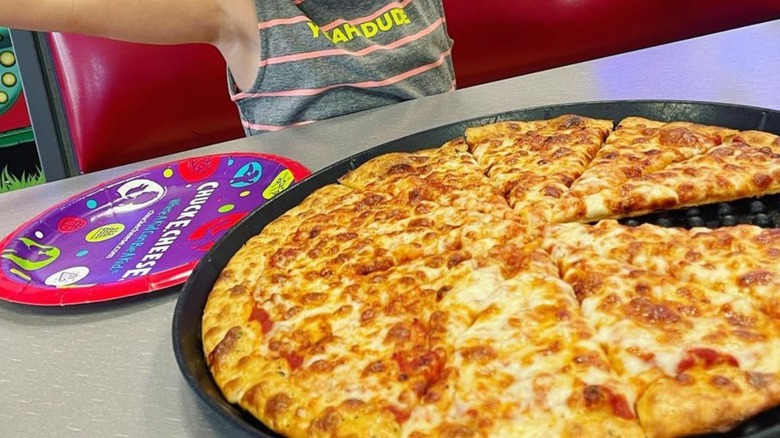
[
  {"x": 703, "y": 357},
  {"x": 534, "y": 163},
  {"x": 724, "y": 173},
  {"x": 447, "y": 175},
  {"x": 457, "y": 292},
  {"x": 638, "y": 146}
]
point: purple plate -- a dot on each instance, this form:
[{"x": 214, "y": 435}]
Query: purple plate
[{"x": 143, "y": 232}]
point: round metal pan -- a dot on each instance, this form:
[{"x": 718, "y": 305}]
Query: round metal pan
[{"x": 189, "y": 308}]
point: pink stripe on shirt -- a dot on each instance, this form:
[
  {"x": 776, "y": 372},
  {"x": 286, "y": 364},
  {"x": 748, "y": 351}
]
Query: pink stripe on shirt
[
  {"x": 257, "y": 127},
  {"x": 282, "y": 21},
  {"x": 366, "y": 84},
  {"x": 362, "y": 52}
]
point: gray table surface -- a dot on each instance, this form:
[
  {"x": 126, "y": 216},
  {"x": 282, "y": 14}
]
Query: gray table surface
[{"x": 108, "y": 370}]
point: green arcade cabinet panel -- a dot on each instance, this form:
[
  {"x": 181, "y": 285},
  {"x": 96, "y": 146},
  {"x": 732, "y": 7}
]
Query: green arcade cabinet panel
[
  {"x": 9, "y": 73},
  {"x": 14, "y": 121},
  {"x": 18, "y": 154}
]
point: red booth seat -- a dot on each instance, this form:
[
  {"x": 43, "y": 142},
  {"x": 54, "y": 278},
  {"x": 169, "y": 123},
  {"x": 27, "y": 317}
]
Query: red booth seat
[
  {"x": 498, "y": 39},
  {"x": 129, "y": 102}
]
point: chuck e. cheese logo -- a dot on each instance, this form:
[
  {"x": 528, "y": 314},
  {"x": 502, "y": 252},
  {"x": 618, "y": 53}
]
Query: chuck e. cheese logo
[
  {"x": 171, "y": 231},
  {"x": 367, "y": 29}
]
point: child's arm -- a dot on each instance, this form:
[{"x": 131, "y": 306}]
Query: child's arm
[
  {"x": 149, "y": 21},
  {"x": 230, "y": 25}
]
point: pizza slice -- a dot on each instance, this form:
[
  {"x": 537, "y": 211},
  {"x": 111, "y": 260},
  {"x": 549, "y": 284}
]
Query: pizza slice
[
  {"x": 350, "y": 360},
  {"x": 447, "y": 175},
  {"x": 272, "y": 327},
  {"x": 733, "y": 170},
  {"x": 743, "y": 260},
  {"x": 500, "y": 131},
  {"x": 533, "y": 163},
  {"x": 638, "y": 146},
  {"x": 523, "y": 360},
  {"x": 700, "y": 358},
  {"x": 350, "y": 288}
]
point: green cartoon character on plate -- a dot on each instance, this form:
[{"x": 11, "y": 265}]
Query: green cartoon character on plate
[{"x": 39, "y": 256}]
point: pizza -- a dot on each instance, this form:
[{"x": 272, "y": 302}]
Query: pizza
[
  {"x": 699, "y": 348},
  {"x": 446, "y": 175},
  {"x": 639, "y": 145},
  {"x": 534, "y": 163},
  {"x": 724, "y": 173},
  {"x": 486, "y": 288}
]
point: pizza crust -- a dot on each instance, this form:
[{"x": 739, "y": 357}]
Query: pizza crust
[{"x": 699, "y": 401}]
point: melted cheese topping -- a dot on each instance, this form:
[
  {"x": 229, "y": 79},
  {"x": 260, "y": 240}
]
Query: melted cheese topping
[
  {"x": 645, "y": 308},
  {"x": 534, "y": 163},
  {"x": 639, "y": 146}
]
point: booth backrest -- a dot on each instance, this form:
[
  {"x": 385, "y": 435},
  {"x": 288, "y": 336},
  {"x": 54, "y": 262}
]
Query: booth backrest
[
  {"x": 498, "y": 39},
  {"x": 128, "y": 102}
]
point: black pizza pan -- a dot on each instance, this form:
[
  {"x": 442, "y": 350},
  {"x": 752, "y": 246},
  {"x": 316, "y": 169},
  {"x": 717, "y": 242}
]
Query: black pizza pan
[{"x": 192, "y": 299}]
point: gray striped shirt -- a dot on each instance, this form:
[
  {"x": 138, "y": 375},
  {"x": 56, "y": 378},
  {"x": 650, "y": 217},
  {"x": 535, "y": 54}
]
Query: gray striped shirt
[{"x": 325, "y": 58}]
